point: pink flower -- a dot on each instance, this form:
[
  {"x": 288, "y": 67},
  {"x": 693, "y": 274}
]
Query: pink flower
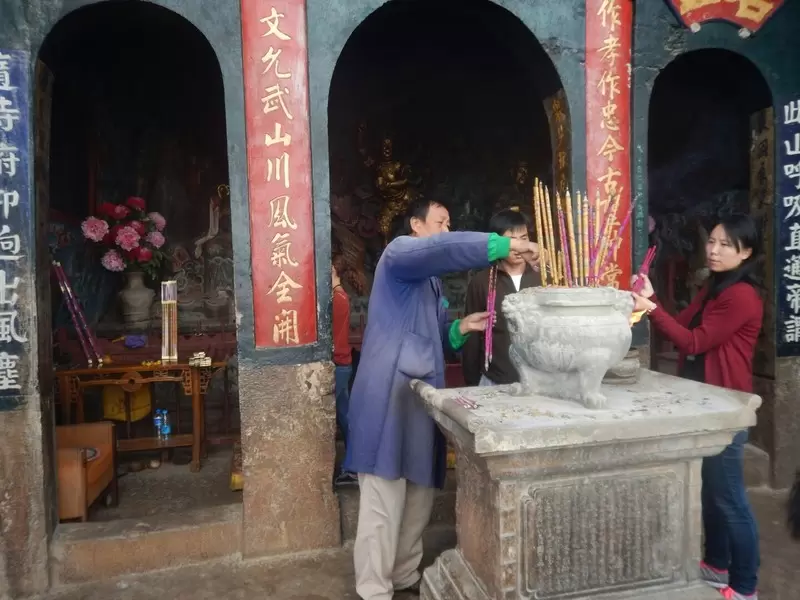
[
  {"x": 159, "y": 220},
  {"x": 94, "y": 229},
  {"x": 138, "y": 227},
  {"x": 113, "y": 261},
  {"x": 127, "y": 238},
  {"x": 156, "y": 239},
  {"x": 120, "y": 212}
]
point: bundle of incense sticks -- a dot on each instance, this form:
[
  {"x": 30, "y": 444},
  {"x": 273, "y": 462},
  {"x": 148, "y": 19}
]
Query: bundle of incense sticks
[
  {"x": 85, "y": 336},
  {"x": 169, "y": 322},
  {"x": 490, "y": 308},
  {"x": 587, "y": 238},
  {"x": 645, "y": 268}
]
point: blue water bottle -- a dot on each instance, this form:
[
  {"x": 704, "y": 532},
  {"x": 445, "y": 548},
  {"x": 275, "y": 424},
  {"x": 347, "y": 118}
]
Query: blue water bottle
[
  {"x": 158, "y": 422},
  {"x": 166, "y": 430}
]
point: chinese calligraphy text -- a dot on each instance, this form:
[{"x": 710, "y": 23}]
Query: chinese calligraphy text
[
  {"x": 279, "y": 172},
  {"x": 788, "y": 243},
  {"x": 15, "y": 279},
  {"x": 608, "y": 85}
]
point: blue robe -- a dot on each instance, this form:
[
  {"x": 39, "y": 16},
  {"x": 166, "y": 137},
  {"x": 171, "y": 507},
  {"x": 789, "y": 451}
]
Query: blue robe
[{"x": 391, "y": 434}]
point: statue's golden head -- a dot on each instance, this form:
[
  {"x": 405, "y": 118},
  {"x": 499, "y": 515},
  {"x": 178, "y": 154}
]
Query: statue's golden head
[
  {"x": 521, "y": 172},
  {"x": 386, "y": 148}
]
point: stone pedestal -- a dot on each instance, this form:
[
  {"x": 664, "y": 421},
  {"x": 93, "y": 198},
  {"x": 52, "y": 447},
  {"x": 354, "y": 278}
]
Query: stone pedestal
[{"x": 559, "y": 501}]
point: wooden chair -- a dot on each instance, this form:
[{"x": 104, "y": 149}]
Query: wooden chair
[{"x": 82, "y": 481}]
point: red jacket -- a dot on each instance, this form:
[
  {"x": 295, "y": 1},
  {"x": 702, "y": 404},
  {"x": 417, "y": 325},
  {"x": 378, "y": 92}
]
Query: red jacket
[
  {"x": 342, "y": 352},
  {"x": 727, "y": 335}
]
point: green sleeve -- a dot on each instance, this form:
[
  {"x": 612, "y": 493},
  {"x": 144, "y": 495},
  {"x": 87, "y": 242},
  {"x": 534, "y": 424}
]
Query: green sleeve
[
  {"x": 499, "y": 247},
  {"x": 456, "y": 338}
]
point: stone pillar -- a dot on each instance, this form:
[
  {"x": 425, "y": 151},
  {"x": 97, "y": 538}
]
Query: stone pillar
[
  {"x": 27, "y": 483},
  {"x": 285, "y": 389},
  {"x": 288, "y": 428},
  {"x": 559, "y": 501}
]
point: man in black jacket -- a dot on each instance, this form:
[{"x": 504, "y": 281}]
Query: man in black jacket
[{"x": 513, "y": 275}]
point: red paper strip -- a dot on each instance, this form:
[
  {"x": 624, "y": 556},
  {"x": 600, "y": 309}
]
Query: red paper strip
[
  {"x": 608, "y": 101},
  {"x": 275, "y": 54}
]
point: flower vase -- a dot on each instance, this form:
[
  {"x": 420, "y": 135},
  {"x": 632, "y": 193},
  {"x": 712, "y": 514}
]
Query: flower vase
[{"x": 136, "y": 300}]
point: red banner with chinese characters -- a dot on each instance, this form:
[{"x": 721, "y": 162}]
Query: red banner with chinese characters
[
  {"x": 608, "y": 119},
  {"x": 750, "y": 14},
  {"x": 275, "y": 56}
]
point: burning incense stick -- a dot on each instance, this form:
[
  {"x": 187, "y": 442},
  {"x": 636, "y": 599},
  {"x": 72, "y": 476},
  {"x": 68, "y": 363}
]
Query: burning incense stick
[
  {"x": 612, "y": 250},
  {"x": 580, "y": 235},
  {"x": 563, "y": 235},
  {"x": 537, "y": 209},
  {"x": 584, "y": 206},
  {"x": 573, "y": 257},
  {"x": 550, "y": 236},
  {"x": 610, "y": 216},
  {"x": 592, "y": 237},
  {"x": 490, "y": 302}
]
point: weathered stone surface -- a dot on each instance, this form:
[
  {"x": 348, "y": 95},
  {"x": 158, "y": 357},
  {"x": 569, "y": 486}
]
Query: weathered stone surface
[
  {"x": 23, "y": 507},
  {"x": 785, "y": 430},
  {"x": 83, "y": 552},
  {"x": 559, "y": 501},
  {"x": 288, "y": 431},
  {"x": 563, "y": 340}
]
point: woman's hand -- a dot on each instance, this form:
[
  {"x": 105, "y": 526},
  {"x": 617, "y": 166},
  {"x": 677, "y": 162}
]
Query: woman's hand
[
  {"x": 640, "y": 303},
  {"x": 475, "y": 322},
  {"x": 645, "y": 286}
]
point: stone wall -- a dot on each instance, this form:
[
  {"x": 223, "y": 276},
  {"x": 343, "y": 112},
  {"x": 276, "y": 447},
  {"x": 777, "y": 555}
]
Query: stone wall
[{"x": 288, "y": 429}]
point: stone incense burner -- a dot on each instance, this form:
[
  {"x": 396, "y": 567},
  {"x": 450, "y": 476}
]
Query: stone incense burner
[{"x": 564, "y": 340}]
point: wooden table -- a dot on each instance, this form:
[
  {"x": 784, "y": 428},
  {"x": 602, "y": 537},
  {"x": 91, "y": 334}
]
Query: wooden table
[{"x": 131, "y": 378}]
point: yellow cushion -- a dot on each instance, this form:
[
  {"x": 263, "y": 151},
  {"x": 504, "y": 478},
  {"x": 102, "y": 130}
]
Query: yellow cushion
[{"x": 114, "y": 403}]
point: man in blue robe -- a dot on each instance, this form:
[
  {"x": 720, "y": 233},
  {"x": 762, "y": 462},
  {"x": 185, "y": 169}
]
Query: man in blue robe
[{"x": 394, "y": 446}]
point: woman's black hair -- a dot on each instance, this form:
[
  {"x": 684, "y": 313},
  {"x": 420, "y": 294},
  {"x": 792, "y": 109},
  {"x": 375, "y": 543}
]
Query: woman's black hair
[
  {"x": 743, "y": 232},
  {"x": 507, "y": 220}
]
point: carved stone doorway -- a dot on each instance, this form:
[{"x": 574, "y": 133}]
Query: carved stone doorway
[{"x": 130, "y": 103}]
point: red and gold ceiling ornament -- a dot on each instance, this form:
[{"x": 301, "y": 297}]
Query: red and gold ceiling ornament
[{"x": 749, "y": 15}]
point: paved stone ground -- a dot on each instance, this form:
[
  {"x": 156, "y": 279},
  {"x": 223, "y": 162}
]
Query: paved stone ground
[{"x": 329, "y": 576}]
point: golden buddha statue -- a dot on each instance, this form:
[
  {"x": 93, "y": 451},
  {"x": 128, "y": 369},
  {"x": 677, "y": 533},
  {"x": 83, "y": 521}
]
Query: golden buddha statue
[{"x": 393, "y": 182}]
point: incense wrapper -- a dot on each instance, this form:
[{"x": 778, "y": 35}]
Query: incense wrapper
[{"x": 90, "y": 339}]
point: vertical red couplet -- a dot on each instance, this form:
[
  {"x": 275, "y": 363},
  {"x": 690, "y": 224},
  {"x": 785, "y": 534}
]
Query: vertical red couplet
[
  {"x": 275, "y": 53},
  {"x": 608, "y": 138}
]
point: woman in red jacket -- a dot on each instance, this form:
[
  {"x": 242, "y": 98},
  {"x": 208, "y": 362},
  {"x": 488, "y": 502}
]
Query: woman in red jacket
[{"x": 716, "y": 339}]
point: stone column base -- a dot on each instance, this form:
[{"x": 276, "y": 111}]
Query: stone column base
[{"x": 449, "y": 578}]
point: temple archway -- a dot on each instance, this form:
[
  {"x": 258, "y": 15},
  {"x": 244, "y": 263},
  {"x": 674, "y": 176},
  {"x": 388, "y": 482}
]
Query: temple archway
[
  {"x": 463, "y": 91},
  {"x": 130, "y": 103},
  {"x": 705, "y": 108}
]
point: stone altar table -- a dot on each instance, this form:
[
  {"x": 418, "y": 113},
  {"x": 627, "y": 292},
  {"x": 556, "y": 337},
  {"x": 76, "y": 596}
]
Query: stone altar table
[{"x": 557, "y": 501}]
